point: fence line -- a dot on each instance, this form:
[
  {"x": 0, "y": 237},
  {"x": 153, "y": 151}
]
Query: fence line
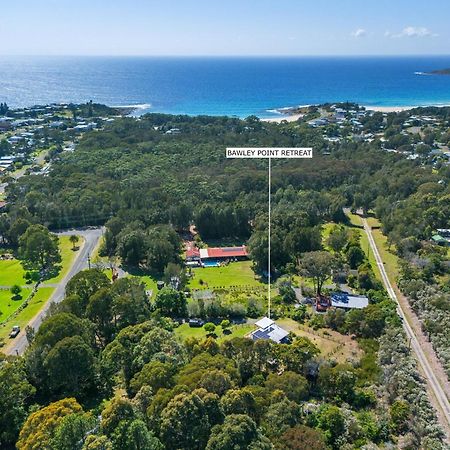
[
  {"x": 22, "y": 306},
  {"x": 321, "y": 335},
  {"x": 231, "y": 288}
]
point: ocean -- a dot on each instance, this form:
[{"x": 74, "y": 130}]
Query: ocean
[{"x": 223, "y": 86}]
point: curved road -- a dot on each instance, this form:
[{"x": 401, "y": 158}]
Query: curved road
[
  {"x": 91, "y": 239},
  {"x": 432, "y": 380}
]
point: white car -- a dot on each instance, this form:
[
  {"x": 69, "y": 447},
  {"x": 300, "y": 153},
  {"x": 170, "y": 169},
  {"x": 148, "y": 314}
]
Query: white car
[{"x": 14, "y": 332}]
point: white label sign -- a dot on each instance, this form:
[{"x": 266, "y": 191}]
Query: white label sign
[{"x": 269, "y": 152}]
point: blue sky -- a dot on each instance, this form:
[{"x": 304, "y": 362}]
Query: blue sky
[{"x": 231, "y": 27}]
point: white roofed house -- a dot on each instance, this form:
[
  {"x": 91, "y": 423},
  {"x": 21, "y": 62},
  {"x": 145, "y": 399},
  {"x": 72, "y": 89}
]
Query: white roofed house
[
  {"x": 268, "y": 329},
  {"x": 348, "y": 301}
]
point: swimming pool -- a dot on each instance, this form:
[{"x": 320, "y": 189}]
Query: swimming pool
[{"x": 211, "y": 263}]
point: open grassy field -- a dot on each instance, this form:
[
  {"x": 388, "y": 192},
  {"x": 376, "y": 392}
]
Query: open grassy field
[
  {"x": 369, "y": 253},
  {"x": 354, "y": 219},
  {"x": 8, "y": 305},
  {"x": 11, "y": 272},
  {"x": 67, "y": 255},
  {"x": 331, "y": 343},
  {"x": 373, "y": 222},
  {"x": 150, "y": 282},
  {"x": 33, "y": 307},
  {"x": 389, "y": 258},
  {"x": 235, "y": 274},
  {"x": 184, "y": 331}
]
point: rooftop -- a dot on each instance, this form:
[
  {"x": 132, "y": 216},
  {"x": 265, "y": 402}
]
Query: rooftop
[
  {"x": 349, "y": 301},
  {"x": 268, "y": 329},
  {"x": 264, "y": 322},
  {"x": 224, "y": 252}
]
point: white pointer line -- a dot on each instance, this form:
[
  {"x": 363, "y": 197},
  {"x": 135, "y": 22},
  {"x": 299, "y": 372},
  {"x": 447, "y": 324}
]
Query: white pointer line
[
  {"x": 269, "y": 277},
  {"x": 269, "y": 153}
]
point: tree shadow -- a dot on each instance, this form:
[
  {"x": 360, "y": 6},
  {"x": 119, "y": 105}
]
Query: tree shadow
[{"x": 52, "y": 273}]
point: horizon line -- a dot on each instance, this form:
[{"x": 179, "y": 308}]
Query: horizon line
[{"x": 340, "y": 55}]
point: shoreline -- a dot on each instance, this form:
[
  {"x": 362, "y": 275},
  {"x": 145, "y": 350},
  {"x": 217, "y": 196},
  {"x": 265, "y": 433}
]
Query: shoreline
[
  {"x": 283, "y": 117},
  {"x": 388, "y": 109},
  {"x": 284, "y": 114}
]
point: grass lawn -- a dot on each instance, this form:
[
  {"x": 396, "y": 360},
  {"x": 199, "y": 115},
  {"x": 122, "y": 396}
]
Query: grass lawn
[
  {"x": 331, "y": 343},
  {"x": 95, "y": 257},
  {"x": 8, "y": 305},
  {"x": 299, "y": 281},
  {"x": 11, "y": 272},
  {"x": 355, "y": 220},
  {"x": 373, "y": 222},
  {"x": 184, "y": 331},
  {"x": 369, "y": 253},
  {"x": 22, "y": 319},
  {"x": 67, "y": 255},
  {"x": 389, "y": 258},
  {"x": 150, "y": 282},
  {"x": 235, "y": 274},
  {"x": 326, "y": 230}
]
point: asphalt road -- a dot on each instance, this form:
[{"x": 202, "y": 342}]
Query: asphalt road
[
  {"x": 432, "y": 380},
  {"x": 91, "y": 238}
]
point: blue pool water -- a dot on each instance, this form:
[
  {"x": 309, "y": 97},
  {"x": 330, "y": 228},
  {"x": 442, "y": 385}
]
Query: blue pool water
[{"x": 211, "y": 263}]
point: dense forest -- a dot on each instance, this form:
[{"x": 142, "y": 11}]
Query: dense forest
[
  {"x": 109, "y": 373},
  {"x": 143, "y": 180},
  {"x": 106, "y": 369}
]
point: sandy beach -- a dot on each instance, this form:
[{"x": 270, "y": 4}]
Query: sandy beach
[
  {"x": 384, "y": 109},
  {"x": 286, "y": 117}
]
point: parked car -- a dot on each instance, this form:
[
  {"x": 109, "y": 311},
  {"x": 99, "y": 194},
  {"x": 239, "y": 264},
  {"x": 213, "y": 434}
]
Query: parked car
[
  {"x": 14, "y": 332},
  {"x": 196, "y": 323}
]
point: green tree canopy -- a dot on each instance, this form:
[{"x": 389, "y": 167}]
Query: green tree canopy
[
  {"x": 237, "y": 432},
  {"x": 39, "y": 248},
  {"x": 15, "y": 395},
  {"x": 40, "y": 426},
  {"x": 171, "y": 303},
  {"x": 292, "y": 384},
  {"x": 70, "y": 366},
  {"x": 318, "y": 266},
  {"x": 185, "y": 423}
]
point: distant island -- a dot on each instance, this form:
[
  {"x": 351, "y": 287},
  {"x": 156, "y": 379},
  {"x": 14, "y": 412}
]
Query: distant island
[{"x": 440, "y": 72}]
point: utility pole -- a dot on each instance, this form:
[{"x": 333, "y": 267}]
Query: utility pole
[{"x": 89, "y": 261}]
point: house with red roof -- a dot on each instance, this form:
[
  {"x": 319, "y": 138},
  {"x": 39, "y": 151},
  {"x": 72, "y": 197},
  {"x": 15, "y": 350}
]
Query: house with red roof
[
  {"x": 192, "y": 255},
  {"x": 224, "y": 252},
  {"x": 204, "y": 256},
  {"x": 192, "y": 252}
]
